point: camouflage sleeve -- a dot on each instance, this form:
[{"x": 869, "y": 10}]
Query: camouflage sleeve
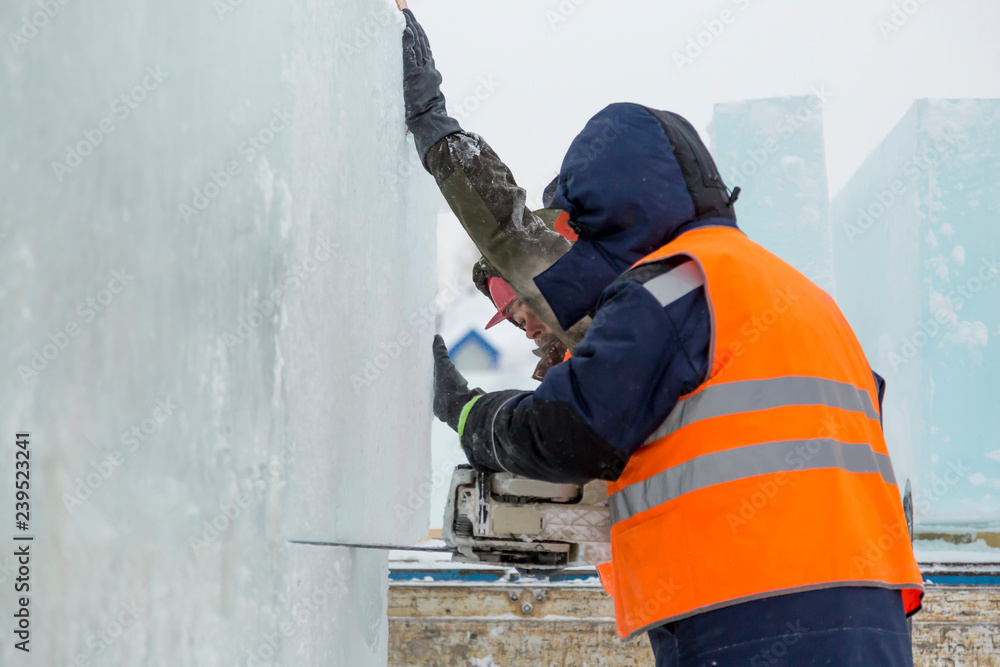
[{"x": 481, "y": 191}]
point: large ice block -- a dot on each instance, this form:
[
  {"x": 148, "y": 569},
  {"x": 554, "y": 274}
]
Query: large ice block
[
  {"x": 217, "y": 258},
  {"x": 916, "y": 246},
  {"x": 773, "y": 150}
]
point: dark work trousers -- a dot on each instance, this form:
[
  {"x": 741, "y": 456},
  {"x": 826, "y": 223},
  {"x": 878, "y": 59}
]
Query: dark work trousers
[{"x": 841, "y": 627}]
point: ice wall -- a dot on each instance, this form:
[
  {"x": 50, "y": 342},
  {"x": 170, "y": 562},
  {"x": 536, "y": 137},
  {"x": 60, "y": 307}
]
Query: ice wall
[
  {"x": 773, "y": 150},
  {"x": 216, "y": 270},
  {"x": 916, "y": 246}
]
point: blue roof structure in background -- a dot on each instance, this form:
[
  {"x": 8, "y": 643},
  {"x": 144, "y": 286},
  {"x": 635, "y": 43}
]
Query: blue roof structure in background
[{"x": 474, "y": 340}]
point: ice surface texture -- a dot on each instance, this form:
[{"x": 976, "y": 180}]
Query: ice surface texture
[
  {"x": 916, "y": 245},
  {"x": 253, "y": 365},
  {"x": 912, "y": 243},
  {"x": 773, "y": 150}
]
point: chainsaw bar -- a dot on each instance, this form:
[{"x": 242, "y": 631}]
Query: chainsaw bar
[{"x": 389, "y": 547}]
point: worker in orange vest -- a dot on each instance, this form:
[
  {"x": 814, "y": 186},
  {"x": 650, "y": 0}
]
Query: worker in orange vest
[{"x": 755, "y": 513}]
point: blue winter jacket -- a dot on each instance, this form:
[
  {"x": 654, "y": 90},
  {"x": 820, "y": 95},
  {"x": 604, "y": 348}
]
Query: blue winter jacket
[{"x": 633, "y": 180}]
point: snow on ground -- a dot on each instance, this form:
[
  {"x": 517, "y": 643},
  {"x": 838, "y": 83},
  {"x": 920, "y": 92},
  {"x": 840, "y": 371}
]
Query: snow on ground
[{"x": 940, "y": 551}]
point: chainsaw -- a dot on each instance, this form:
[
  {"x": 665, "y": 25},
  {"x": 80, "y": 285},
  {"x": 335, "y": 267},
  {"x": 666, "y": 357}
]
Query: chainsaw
[{"x": 537, "y": 527}]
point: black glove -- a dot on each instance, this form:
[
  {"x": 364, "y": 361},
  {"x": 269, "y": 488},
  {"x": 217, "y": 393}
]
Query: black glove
[
  {"x": 425, "y": 110},
  {"x": 451, "y": 391}
]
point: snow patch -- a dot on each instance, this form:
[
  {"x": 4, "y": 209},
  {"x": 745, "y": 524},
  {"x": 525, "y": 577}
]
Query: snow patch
[
  {"x": 265, "y": 181},
  {"x": 942, "y": 308},
  {"x": 940, "y": 551},
  {"x": 285, "y": 221},
  {"x": 970, "y": 334},
  {"x": 958, "y": 255}
]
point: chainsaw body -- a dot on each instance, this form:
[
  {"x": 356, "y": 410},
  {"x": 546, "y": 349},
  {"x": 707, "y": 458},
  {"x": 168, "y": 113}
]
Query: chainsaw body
[{"x": 537, "y": 527}]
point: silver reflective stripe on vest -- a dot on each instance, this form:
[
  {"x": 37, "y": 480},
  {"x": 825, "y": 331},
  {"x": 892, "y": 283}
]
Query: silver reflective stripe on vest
[
  {"x": 743, "y": 462},
  {"x": 753, "y": 395},
  {"x": 677, "y": 282}
]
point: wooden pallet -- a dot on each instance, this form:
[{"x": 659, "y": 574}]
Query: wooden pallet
[{"x": 446, "y": 624}]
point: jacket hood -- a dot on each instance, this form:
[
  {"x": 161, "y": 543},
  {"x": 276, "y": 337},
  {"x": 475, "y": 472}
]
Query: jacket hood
[{"x": 632, "y": 181}]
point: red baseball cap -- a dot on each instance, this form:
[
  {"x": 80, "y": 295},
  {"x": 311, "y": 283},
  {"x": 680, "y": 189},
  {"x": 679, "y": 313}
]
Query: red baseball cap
[{"x": 502, "y": 296}]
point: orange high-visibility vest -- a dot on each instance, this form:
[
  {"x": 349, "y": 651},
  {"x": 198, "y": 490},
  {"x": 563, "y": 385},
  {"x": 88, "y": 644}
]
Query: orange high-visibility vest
[{"x": 772, "y": 476}]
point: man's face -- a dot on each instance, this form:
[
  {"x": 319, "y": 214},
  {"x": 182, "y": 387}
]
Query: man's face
[{"x": 534, "y": 328}]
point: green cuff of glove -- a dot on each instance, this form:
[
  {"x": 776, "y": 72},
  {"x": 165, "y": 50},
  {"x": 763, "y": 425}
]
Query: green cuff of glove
[{"x": 465, "y": 414}]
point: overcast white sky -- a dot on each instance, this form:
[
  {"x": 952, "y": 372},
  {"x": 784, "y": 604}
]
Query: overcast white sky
[{"x": 551, "y": 77}]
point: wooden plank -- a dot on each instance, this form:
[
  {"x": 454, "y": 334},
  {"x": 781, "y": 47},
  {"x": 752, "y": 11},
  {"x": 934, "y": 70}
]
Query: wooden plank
[
  {"x": 958, "y": 625},
  {"x": 510, "y": 625},
  {"x": 415, "y": 642},
  {"x": 500, "y": 600}
]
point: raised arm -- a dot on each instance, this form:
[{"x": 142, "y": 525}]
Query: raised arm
[{"x": 477, "y": 185}]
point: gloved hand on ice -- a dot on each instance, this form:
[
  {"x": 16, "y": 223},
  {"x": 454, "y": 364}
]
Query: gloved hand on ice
[
  {"x": 426, "y": 115},
  {"x": 451, "y": 390}
]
